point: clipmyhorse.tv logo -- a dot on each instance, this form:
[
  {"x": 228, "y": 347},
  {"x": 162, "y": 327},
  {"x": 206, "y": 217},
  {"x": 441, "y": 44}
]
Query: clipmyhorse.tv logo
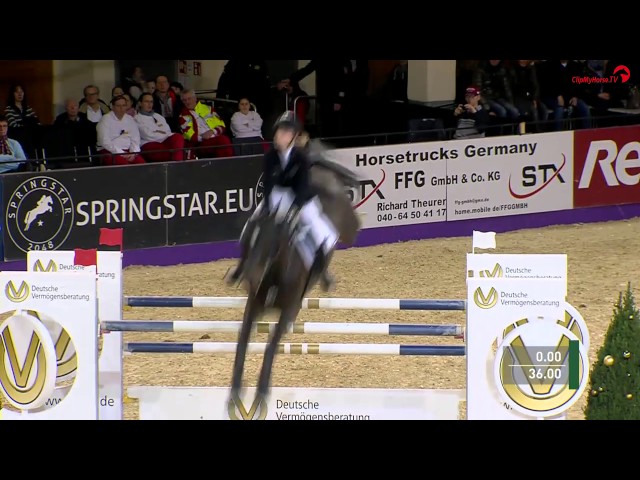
[{"x": 621, "y": 74}]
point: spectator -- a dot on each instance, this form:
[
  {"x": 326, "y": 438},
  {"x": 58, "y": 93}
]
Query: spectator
[
  {"x": 18, "y": 112},
  {"x": 10, "y": 149},
  {"x": 299, "y": 107},
  {"x": 117, "y": 91},
  {"x": 202, "y": 127},
  {"x": 330, "y": 80},
  {"x": 246, "y": 126},
  {"x": 132, "y": 106},
  {"x": 526, "y": 93},
  {"x": 561, "y": 94},
  {"x": 73, "y": 134},
  {"x": 167, "y": 102},
  {"x": 355, "y": 99},
  {"x": 603, "y": 96},
  {"x": 177, "y": 88},
  {"x": 119, "y": 136},
  {"x": 247, "y": 78},
  {"x": 92, "y": 105},
  {"x": 149, "y": 86},
  {"x": 156, "y": 137},
  {"x": 471, "y": 117},
  {"x": 492, "y": 79},
  {"x": 134, "y": 84}
]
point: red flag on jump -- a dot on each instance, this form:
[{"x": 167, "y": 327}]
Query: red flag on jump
[
  {"x": 111, "y": 237},
  {"x": 85, "y": 257}
]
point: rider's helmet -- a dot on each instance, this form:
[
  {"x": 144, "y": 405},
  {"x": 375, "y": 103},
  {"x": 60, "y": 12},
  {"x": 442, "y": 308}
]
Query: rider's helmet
[{"x": 287, "y": 121}]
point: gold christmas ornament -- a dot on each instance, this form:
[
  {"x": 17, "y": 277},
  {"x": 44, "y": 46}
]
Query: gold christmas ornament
[
  {"x": 629, "y": 396},
  {"x": 630, "y": 317},
  {"x": 626, "y": 354},
  {"x": 600, "y": 389},
  {"x": 608, "y": 360},
  {"x": 594, "y": 393}
]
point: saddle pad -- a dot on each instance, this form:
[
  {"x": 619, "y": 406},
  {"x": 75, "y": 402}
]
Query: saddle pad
[{"x": 303, "y": 241}]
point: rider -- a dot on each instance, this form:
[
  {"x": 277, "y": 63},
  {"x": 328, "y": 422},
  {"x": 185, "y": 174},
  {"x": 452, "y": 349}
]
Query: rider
[{"x": 287, "y": 184}]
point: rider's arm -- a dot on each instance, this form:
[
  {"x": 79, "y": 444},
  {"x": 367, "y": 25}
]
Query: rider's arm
[
  {"x": 302, "y": 180},
  {"x": 268, "y": 177}
]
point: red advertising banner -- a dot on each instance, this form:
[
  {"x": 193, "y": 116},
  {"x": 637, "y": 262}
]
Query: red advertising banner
[{"x": 606, "y": 166}]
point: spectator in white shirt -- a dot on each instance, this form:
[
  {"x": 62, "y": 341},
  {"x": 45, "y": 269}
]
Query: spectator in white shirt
[
  {"x": 119, "y": 136},
  {"x": 159, "y": 144},
  {"x": 10, "y": 149},
  {"x": 246, "y": 126}
]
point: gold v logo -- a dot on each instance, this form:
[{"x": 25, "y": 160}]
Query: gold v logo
[
  {"x": 572, "y": 324},
  {"x": 236, "y": 404},
  {"x": 39, "y": 267},
  {"x": 17, "y": 295},
  {"x": 485, "y": 302},
  {"x": 63, "y": 342},
  {"x": 16, "y": 386},
  {"x": 65, "y": 367},
  {"x": 496, "y": 272}
]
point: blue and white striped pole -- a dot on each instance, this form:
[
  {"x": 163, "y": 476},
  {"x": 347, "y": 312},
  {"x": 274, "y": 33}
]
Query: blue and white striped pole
[{"x": 307, "y": 303}]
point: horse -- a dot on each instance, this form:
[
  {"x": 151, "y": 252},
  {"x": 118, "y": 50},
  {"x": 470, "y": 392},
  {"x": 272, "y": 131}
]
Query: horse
[
  {"x": 42, "y": 206},
  {"x": 276, "y": 276}
]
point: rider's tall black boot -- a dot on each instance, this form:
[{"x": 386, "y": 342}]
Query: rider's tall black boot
[
  {"x": 327, "y": 281},
  {"x": 236, "y": 273},
  {"x": 234, "y": 276}
]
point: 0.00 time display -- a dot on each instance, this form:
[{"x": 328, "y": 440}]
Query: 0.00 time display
[{"x": 554, "y": 371}]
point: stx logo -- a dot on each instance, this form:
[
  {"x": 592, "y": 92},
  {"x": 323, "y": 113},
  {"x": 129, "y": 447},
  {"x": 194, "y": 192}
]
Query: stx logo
[
  {"x": 607, "y": 166},
  {"x": 367, "y": 189},
  {"x": 538, "y": 177}
]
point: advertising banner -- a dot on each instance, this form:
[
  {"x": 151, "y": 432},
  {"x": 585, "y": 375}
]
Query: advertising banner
[
  {"x": 607, "y": 166},
  {"x": 158, "y": 204},
  {"x": 399, "y": 184},
  {"x": 284, "y": 403},
  {"x": 517, "y": 175},
  {"x": 212, "y": 199},
  {"x": 461, "y": 179},
  {"x": 205, "y": 201}
]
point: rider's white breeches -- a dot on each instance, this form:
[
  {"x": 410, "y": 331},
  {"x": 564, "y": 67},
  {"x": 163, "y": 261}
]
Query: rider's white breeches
[
  {"x": 322, "y": 230},
  {"x": 280, "y": 201}
]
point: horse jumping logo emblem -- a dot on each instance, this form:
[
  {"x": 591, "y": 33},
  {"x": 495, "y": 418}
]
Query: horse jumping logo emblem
[{"x": 43, "y": 206}]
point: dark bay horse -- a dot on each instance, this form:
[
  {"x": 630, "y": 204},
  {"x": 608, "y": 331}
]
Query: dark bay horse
[{"x": 275, "y": 275}]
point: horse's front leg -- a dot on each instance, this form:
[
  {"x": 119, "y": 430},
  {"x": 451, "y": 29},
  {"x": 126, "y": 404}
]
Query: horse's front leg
[
  {"x": 287, "y": 317},
  {"x": 253, "y": 309}
]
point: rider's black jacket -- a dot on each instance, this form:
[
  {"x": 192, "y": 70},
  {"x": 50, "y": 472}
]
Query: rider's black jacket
[{"x": 296, "y": 175}]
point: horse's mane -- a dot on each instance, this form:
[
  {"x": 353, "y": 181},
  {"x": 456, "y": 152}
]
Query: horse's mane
[{"x": 320, "y": 156}]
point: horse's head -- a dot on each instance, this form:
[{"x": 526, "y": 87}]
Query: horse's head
[{"x": 45, "y": 199}]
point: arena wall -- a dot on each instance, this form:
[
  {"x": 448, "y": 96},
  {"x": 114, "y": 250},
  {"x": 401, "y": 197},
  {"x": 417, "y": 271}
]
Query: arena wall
[{"x": 192, "y": 212}]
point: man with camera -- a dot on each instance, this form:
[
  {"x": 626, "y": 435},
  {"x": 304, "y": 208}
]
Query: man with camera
[{"x": 471, "y": 118}]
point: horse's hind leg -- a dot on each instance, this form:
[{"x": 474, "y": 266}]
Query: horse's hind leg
[
  {"x": 287, "y": 317},
  {"x": 253, "y": 309}
]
